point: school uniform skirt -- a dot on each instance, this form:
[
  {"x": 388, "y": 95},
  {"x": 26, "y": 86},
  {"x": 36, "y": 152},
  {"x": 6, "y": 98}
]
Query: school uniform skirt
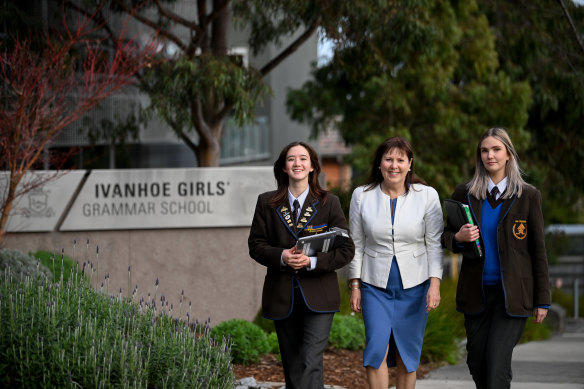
[{"x": 394, "y": 317}]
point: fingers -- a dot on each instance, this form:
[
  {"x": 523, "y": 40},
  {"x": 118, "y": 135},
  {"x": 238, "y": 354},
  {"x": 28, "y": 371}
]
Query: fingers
[
  {"x": 467, "y": 233},
  {"x": 539, "y": 314},
  {"x": 295, "y": 261},
  {"x": 355, "y": 300},
  {"x": 432, "y": 302}
]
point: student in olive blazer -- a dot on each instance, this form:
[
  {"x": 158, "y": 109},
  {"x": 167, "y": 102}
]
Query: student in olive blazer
[
  {"x": 300, "y": 293},
  {"x": 509, "y": 282}
]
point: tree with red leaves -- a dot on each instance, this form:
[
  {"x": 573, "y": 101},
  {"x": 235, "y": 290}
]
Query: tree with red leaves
[{"x": 44, "y": 90}]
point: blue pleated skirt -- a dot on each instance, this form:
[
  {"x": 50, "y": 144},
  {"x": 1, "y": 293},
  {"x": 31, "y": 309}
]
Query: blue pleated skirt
[{"x": 396, "y": 317}]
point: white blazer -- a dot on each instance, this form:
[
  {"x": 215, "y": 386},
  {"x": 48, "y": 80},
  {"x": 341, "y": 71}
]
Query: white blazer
[{"x": 417, "y": 227}]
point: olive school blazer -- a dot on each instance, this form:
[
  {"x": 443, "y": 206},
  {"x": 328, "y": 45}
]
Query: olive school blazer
[
  {"x": 272, "y": 231},
  {"x": 522, "y": 254}
]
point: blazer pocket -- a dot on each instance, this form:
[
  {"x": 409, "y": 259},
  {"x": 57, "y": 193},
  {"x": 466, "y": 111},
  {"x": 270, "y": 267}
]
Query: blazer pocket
[
  {"x": 370, "y": 252},
  {"x": 420, "y": 251}
]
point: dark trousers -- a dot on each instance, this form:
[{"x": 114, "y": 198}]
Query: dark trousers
[
  {"x": 491, "y": 337},
  {"x": 303, "y": 337}
]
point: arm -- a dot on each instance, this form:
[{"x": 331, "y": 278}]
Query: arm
[
  {"x": 457, "y": 239},
  {"x": 434, "y": 226},
  {"x": 538, "y": 256},
  {"x": 339, "y": 257},
  {"x": 357, "y": 234},
  {"x": 354, "y": 268},
  {"x": 259, "y": 244}
]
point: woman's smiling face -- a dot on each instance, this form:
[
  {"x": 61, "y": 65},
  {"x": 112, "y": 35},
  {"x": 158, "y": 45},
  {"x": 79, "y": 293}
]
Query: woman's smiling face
[{"x": 395, "y": 166}]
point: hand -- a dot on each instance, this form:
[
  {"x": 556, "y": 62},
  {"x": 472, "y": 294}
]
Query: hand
[
  {"x": 355, "y": 300},
  {"x": 467, "y": 233},
  {"x": 433, "y": 296},
  {"x": 539, "y": 314},
  {"x": 295, "y": 260}
]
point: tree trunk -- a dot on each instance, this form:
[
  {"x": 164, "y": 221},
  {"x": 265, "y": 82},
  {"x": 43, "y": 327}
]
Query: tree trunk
[
  {"x": 208, "y": 152},
  {"x": 7, "y": 207}
]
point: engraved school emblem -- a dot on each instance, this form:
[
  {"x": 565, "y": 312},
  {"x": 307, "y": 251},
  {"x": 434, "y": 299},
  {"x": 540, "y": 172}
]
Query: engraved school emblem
[{"x": 520, "y": 229}]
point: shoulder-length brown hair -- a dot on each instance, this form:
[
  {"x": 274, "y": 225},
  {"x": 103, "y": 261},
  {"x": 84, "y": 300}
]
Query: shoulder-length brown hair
[
  {"x": 282, "y": 178},
  {"x": 399, "y": 143}
]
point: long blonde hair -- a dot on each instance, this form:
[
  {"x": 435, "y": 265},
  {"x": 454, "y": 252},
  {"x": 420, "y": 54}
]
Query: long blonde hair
[{"x": 479, "y": 184}]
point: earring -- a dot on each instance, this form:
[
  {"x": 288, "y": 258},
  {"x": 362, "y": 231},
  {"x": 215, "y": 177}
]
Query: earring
[
  {"x": 409, "y": 170},
  {"x": 379, "y": 167}
]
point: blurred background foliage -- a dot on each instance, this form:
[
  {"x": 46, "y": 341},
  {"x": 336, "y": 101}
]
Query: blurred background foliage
[{"x": 442, "y": 72}]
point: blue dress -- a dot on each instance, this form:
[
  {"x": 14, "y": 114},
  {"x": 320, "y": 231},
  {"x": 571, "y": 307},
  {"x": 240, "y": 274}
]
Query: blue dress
[{"x": 396, "y": 317}]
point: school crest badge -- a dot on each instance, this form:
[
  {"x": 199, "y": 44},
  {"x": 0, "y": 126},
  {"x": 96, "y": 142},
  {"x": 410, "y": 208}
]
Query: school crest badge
[{"x": 520, "y": 229}]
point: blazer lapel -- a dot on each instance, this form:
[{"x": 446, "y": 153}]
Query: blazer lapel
[
  {"x": 309, "y": 211},
  {"x": 285, "y": 214},
  {"x": 476, "y": 209},
  {"x": 507, "y": 204}
]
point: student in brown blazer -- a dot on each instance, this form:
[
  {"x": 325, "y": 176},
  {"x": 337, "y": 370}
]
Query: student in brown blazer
[
  {"x": 509, "y": 282},
  {"x": 300, "y": 293}
]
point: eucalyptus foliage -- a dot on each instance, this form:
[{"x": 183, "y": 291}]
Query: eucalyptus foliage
[
  {"x": 441, "y": 72},
  {"x": 426, "y": 70},
  {"x": 541, "y": 42}
]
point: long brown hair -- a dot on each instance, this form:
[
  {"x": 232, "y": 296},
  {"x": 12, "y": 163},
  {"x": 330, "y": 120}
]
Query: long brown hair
[
  {"x": 282, "y": 178},
  {"x": 399, "y": 143}
]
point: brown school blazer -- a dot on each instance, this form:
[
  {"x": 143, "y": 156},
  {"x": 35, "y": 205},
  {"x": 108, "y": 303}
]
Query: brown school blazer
[
  {"x": 272, "y": 231},
  {"x": 524, "y": 266}
]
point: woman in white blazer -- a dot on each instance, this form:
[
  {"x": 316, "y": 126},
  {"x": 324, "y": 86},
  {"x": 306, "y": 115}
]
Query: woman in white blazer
[{"x": 396, "y": 224}]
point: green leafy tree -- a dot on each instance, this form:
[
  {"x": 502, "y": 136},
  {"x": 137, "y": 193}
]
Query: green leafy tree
[
  {"x": 426, "y": 70},
  {"x": 540, "y": 42},
  {"x": 200, "y": 84}
]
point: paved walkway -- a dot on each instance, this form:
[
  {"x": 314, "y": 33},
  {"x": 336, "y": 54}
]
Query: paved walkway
[{"x": 557, "y": 363}]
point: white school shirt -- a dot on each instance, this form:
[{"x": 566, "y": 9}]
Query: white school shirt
[{"x": 502, "y": 185}]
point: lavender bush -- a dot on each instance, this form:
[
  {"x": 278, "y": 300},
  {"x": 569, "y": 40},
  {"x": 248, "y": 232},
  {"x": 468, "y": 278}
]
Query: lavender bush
[{"x": 65, "y": 334}]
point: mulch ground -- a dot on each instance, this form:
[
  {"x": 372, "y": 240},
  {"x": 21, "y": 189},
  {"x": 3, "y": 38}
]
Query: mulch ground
[{"x": 341, "y": 367}]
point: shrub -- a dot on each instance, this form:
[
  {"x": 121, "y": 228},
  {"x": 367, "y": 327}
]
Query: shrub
[
  {"x": 69, "y": 335},
  {"x": 534, "y": 331},
  {"x": 445, "y": 328},
  {"x": 21, "y": 265},
  {"x": 345, "y": 308},
  {"x": 566, "y": 300},
  {"x": 347, "y": 332},
  {"x": 249, "y": 341},
  {"x": 273, "y": 342},
  {"x": 265, "y": 324},
  {"x": 60, "y": 265}
]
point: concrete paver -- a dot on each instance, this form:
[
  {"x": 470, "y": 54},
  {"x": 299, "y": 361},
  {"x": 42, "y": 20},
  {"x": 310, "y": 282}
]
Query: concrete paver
[{"x": 555, "y": 363}]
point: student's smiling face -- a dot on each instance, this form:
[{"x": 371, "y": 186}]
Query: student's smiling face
[
  {"x": 298, "y": 165},
  {"x": 494, "y": 156}
]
